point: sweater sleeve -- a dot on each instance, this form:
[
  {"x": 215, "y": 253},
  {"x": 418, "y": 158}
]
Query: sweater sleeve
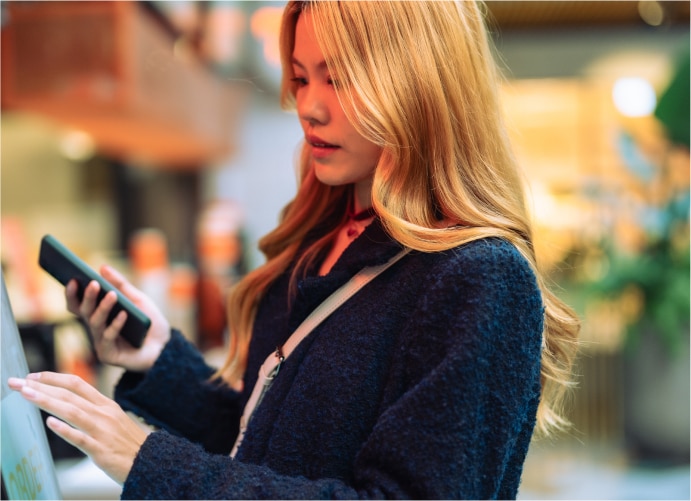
[
  {"x": 176, "y": 395},
  {"x": 169, "y": 467},
  {"x": 468, "y": 367}
]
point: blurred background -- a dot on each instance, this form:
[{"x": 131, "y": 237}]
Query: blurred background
[{"x": 148, "y": 135}]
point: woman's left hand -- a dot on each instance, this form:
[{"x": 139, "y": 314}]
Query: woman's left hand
[{"x": 88, "y": 420}]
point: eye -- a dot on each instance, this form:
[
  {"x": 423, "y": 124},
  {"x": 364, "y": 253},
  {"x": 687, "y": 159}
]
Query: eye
[{"x": 299, "y": 81}]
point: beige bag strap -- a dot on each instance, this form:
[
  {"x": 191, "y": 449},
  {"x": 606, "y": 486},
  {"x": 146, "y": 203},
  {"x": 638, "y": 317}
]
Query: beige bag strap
[{"x": 272, "y": 365}]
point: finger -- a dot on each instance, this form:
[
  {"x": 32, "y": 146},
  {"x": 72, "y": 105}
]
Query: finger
[
  {"x": 15, "y": 383},
  {"x": 112, "y": 332},
  {"x": 64, "y": 386},
  {"x": 112, "y": 455},
  {"x": 88, "y": 304},
  {"x": 71, "y": 297},
  {"x": 99, "y": 317},
  {"x": 110, "y": 344},
  {"x": 58, "y": 402},
  {"x": 104, "y": 432},
  {"x": 121, "y": 283},
  {"x": 72, "y": 435},
  {"x": 82, "y": 408}
]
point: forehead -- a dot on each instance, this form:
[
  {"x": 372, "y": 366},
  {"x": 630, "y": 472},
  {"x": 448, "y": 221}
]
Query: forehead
[{"x": 305, "y": 45}]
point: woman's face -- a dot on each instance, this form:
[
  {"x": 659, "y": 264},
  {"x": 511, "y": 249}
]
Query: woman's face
[{"x": 341, "y": 155}]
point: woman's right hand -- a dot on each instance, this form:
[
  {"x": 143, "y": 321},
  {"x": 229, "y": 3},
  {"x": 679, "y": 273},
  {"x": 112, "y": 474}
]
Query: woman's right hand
[{"x": 110, "y": 347}]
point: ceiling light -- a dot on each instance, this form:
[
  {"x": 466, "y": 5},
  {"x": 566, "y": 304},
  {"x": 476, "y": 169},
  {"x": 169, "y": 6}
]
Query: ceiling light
[
  {"x": 634, "y": 97},
  {"x": 77, "y": 145},
  {"x": 651, "y": 12}
]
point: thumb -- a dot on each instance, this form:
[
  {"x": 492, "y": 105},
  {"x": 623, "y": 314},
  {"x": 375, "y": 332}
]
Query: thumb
[{"x": 121, "y": 283}]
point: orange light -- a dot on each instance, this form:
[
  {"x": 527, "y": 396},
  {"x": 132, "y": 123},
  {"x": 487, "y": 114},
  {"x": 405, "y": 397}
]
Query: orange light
[{"x": 265, "y": 26}]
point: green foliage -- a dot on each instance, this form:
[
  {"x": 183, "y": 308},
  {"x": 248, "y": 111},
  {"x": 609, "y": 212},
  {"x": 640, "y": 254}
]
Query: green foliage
[{"x": 658, "y": 275}]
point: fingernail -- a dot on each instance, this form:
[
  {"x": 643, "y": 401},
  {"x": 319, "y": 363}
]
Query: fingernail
[
  {"x": 53, "y": 423},
  {"x": 15, "y": 382},
  {"x": 34, "y": 375}
]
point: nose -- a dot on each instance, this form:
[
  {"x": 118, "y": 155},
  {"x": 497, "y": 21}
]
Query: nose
[{"x": 311, "y": 106}]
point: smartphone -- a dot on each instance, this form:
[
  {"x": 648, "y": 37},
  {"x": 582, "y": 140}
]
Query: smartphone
[{"x": 64, "y": 265}]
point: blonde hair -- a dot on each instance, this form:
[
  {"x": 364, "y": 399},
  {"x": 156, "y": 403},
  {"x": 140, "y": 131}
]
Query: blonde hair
[{"x": 418, "y": 79}]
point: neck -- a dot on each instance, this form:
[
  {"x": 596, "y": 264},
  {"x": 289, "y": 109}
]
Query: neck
[
  {"x": 362, "y": 196},
  {"x": 358, "y": 211},
  {"x": 360, "y": 214}
]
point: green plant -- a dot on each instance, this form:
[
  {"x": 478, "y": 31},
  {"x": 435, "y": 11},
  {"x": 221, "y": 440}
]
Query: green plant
[{"x": 656, "y": 278}]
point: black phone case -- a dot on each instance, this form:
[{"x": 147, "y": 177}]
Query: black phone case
[{"x": 64, "y": 265}]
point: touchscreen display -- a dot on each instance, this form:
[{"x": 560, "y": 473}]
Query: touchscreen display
[{"x": 27, "y": 465}]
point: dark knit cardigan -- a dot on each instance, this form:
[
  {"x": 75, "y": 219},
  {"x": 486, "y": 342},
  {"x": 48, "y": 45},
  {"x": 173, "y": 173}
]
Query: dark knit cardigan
[{"x": 424, "y": 385}]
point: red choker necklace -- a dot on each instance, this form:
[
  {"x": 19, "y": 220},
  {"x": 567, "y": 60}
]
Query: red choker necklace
[
  {"x": 355, "y": 217},
  {"x": 362, "y": 215}
]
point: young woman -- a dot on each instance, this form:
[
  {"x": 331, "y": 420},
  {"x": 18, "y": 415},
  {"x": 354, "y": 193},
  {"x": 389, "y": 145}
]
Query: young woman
[{"x": 427, "y": 383}]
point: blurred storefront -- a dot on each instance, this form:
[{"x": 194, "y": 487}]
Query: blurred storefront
[
  {"x": 124, "y": 117},
  {"x": 599, "y": 108},
  {"x": 606, "y": 157}
]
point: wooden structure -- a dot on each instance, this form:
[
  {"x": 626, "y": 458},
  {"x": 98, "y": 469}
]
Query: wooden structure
[{"x": 111, "y": 69}]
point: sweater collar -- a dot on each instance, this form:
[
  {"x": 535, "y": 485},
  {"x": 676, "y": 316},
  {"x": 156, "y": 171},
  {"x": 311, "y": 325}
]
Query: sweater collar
[{"x": 373, "y": 247}]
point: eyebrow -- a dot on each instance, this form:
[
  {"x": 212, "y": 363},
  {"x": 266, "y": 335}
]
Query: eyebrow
[{"x": 321, "y": 66}]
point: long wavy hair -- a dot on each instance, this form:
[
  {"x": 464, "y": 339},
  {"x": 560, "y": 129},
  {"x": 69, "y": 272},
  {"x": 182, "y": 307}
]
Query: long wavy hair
[{"x": 417, "y": 78}]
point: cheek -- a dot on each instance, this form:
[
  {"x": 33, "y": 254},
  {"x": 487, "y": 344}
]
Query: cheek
[
  {"x": 366, "y": 163},
  {"x": 371, "y": 154}
]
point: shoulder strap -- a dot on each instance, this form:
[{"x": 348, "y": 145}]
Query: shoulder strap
[
  {"x": 271, "y": 366},
  {"x": 336, "y": 299}
]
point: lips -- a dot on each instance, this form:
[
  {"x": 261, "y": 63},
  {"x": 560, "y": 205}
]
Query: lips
[
  {"x": 321, "y": 149},
  {"x": 317, "y": 142}
]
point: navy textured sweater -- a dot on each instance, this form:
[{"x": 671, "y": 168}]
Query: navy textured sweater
[{"x": 423, "y": 385}]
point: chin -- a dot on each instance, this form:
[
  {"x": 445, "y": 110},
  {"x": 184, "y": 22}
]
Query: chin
[{"x": 330, "y": 178}]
